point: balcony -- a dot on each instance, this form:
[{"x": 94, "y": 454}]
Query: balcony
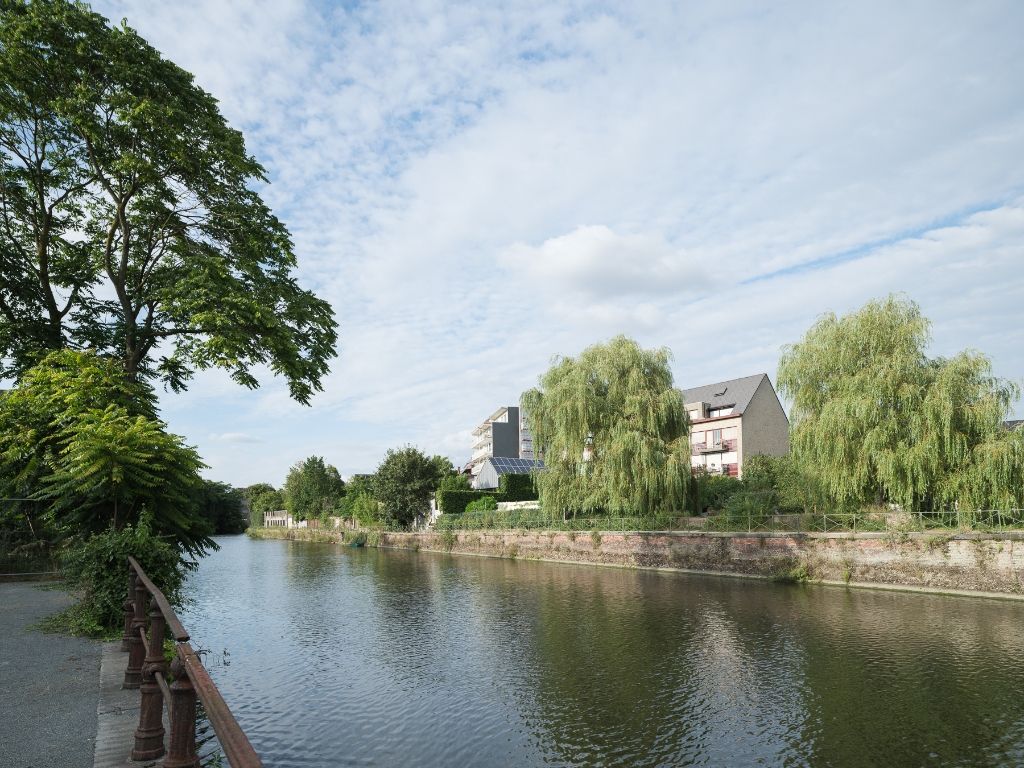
[{"x": 723, "y": 446}]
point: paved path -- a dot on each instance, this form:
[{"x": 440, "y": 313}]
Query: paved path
[{"x": 48, "y": 684}]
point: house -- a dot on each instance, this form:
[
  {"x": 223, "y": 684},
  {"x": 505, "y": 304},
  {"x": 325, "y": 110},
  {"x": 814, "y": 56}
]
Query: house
[
  {"x": 493, "y": 467},
  {"x": 502, "y": 434},
  {"x": 734, "y": 420}
]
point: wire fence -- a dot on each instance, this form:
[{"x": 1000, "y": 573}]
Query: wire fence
[{"x": 828, "y": 522}]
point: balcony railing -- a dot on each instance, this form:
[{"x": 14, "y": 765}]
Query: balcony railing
[{"x": 723, "y": 446}]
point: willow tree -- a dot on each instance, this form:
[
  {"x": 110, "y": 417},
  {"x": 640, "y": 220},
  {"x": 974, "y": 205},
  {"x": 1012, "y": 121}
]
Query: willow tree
[
  {"x": 130, "y": 216},
  {"x": 881, "y": 421},
  {"x": 613, "y": 430}
]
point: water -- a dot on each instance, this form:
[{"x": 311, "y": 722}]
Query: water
[{"x": 333, "y": 656}]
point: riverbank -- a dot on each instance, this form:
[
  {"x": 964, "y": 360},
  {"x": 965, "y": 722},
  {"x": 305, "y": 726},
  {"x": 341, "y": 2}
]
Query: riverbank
[{"x": 983, "y": 564}]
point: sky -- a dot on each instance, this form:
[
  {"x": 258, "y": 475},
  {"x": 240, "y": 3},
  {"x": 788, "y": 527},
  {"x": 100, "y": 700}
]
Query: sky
[{"x": 478, "y": 187}]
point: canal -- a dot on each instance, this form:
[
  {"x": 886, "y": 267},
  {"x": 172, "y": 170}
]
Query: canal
[{"x": 334, "y": 656}]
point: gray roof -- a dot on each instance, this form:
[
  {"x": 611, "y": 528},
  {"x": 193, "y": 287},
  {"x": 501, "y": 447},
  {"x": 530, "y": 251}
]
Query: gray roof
[
  {"x": 735, "y": 392},
  {"x": 1013, "y": 424}
]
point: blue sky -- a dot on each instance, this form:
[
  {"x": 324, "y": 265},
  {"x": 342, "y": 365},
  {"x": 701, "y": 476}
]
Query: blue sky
[{"x": 477, "y": 187}]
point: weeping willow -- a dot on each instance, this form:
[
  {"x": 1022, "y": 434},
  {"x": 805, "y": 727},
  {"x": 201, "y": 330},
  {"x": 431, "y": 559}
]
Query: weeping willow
[
  {"x": 882, "y": 422},
  {"x": 613, "y": 429}
]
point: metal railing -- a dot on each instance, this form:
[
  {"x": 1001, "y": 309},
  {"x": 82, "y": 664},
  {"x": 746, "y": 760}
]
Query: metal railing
[
  {"x": 981, "y": 521},
  {"x": 147, "y": 619}
]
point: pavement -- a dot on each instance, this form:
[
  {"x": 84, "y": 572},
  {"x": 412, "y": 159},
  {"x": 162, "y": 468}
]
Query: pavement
[{"x": 49, "y": 684}]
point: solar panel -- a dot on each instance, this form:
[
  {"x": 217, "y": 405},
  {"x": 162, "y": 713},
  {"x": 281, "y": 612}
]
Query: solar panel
[{"x": 514, "y": 465}]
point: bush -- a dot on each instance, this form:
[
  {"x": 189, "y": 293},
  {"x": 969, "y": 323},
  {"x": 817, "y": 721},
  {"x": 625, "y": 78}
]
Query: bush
[
  {"x": 514, "y": 487},
  {"x": 483, "y": 504},
  {"x": 99, "y": 568},
  {"x": 715, "y": 490},
  {"x": 455, "y": 502}
]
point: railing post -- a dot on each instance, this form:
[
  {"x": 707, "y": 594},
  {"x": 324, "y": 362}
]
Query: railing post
[
  {"x": 136, "y": 650},
  {"x": 181, "y": 752},
  {"x": 149, "y": 736},
  {"x": 129, "y": 611}
]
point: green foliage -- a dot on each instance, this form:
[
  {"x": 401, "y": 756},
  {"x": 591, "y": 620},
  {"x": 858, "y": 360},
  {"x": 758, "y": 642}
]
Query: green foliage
[
  {"x": 613, "y": 429},
  {"x": 85, "y": 442},
  {"x": 362, "y": 507},
  {"x": 129, "y": 217},
  {"x": 716, "y": 490},
  {"x": 403, "y": 484},
  {"x": 220, "y": 505},
  {"x": 98, "y": 566},
  {"x": 483, "y": 504},
  {"x": 879, "y": 421},
  {"x": 454, "y": 482},
  {"x": 516, "y": 487},
  {"x": 312, "y": 489},
  {"x": 448, "y": 539},
  {"x": 455, "y": 502},
  {"x": 268, "y": 501}
]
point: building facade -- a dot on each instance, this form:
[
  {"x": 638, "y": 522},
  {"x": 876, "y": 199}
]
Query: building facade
[
  {"x": 502, "y": 434},
  {"x": 734, "y": 420}
]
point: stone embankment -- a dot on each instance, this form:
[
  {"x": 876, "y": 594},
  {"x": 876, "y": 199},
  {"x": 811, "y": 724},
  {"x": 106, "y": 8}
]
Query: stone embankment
[{"x": 976, "y": 563}]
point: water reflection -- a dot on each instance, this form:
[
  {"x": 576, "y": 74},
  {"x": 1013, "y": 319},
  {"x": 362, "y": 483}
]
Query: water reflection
[{"x": 369, "y": 657}]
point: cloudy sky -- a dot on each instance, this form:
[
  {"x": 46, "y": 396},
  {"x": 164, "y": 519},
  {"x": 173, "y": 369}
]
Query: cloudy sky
[{"x": 477, "y": 187}]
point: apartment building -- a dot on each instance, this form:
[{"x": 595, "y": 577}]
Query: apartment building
[
  {"x": 502, "y": 434},
  {"x": 734, "y": 420}
]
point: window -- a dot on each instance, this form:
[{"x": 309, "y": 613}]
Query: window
[{"x": 716, "y": 437}]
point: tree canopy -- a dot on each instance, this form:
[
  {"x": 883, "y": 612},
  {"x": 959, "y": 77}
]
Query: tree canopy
[
  {"x": 130, "y": 220},
  {"x": 313, "y": 488},
  {"x": 613, "y": 430},
  {"x": 881, "y": 421},
  {"x": 84, "y": 441},
  {"x": 404, "y": 482}
]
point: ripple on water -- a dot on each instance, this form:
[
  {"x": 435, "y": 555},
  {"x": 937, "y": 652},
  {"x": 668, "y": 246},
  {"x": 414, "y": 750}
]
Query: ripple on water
[{"x": 367, "y": 657}]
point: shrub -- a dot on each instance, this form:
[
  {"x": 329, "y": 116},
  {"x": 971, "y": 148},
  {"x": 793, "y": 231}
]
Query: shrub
[
  {"x": 99, "y": 568},
  {"x": 483, "y": 504},
  {"x": 715, "y": 490},
  {"x": 455, "y": 502},
  {"x": 521, "y": 487}
]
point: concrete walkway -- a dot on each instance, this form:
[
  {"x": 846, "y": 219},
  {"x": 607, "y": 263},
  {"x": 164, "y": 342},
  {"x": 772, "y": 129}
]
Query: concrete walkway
[{"x": 48, "y": 684}]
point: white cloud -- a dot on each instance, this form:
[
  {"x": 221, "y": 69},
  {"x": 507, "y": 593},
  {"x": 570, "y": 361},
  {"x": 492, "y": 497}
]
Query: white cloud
[
  {"x": 598, "y": 263},
  {"x": 477, "y": 187}
]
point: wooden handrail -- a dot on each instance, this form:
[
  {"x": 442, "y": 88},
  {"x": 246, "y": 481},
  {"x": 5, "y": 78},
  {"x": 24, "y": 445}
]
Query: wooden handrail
[{"x": 146, "y": 670}]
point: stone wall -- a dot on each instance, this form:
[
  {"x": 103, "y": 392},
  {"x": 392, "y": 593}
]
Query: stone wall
[{"x": 972, "y": 562}]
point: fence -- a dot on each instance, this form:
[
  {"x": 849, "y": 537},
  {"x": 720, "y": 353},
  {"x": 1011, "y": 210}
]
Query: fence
[
  {"x": 147, "y": 618},
  {"x": 852, "y": 522}
]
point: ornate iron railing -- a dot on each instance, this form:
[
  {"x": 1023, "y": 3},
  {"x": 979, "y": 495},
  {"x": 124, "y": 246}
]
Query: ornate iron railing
[{"x": 148, "y": 617}]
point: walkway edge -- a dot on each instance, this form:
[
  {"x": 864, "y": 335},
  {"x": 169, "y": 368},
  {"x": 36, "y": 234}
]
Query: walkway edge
[{"x": 117, "y": 714}]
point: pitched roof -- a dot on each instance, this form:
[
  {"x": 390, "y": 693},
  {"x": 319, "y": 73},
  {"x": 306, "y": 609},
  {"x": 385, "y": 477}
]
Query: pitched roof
[
  {"x": 735, "y": 392},
  {"x": 1013, "y": 424}
]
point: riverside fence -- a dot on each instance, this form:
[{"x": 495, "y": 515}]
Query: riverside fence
[
  {"x": 148, "y": 618},
  {"x": 751, "y": 522}
]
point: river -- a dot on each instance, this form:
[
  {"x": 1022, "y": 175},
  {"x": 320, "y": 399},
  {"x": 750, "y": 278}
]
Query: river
[{"x": 332, "y": 656}]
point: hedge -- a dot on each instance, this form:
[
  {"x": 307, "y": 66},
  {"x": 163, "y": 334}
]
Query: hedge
[
  {"x": 517, "y": 488},
  {"x": 454, "y": 502},
  {"x": 510, "y": 488}
]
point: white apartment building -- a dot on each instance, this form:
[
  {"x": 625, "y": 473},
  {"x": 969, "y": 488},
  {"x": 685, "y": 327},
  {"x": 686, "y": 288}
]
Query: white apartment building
[
  {"x": 503, "y": 434},
  {"x": 733, "y": 420}
]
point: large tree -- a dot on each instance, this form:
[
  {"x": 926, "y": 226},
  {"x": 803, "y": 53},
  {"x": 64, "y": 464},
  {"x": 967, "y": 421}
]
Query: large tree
[
  {"x": 404, "y": 482},
  {"x": 880, "y": 421},
  {"x": 130, "y": 220},
  {"x": 613, "y": 429},
  {"x": 313, "y": 488}
]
